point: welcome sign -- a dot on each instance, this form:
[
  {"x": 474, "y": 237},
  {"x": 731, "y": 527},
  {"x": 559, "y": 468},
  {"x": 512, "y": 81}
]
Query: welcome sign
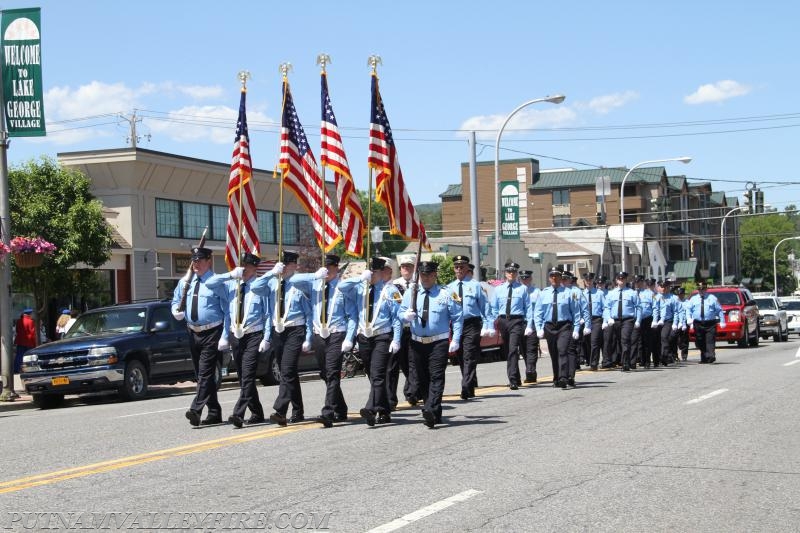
[{"x": 22, "y": 72}]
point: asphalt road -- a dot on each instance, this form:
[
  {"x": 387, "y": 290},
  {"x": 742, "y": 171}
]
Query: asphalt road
[{"x": 687, "y": 448}]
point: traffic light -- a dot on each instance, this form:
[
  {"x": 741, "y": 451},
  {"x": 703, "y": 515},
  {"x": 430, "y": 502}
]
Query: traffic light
[
  {"x": 748, "y": 201},
  {"x": 759, "y": 203},
  {"x": 655, "y": 208}
]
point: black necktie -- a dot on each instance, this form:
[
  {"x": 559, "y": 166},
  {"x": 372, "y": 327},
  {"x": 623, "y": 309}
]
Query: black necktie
[
  {"x": 371, "y": 302},
  {"x": 591, "y": 312},
  {"x": 195, "y": 299},
  {"x": 325, "y": 301},
  {"x": 281, "y": 298},
  {"x": 508, "y": 301},
  {"x": 242, "y": 291},
  {"x": 619, "y": 305},
  {"x": 555, "y": 305},
  {"x": 424, "y": 318},
  {"x": 702, "y": 309},
  {"x": 461, "y": 293}
]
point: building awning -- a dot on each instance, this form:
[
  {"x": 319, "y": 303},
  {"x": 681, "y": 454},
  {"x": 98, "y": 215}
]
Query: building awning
[
  {"x": 685, "y": 269},
  {"x": 729, "y": 280}
]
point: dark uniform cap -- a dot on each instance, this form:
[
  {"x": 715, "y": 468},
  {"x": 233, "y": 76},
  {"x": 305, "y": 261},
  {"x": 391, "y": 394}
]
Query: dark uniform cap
[
  {"x": 525, "y": 274},
  {"x": 331, "y": 259},
  {"x": 568, "y": 274},
  {"x": 664, "y": 283},
  {"x": 250, "y": 259},
  {"x": 681, "y": 290},
  {"x": 461, "y": 260},
  {"x": 622, "y": 275},
  {"x": 471, "y": 267},
  {"x": 511, "y": 266},
  {"x": 639, "y": 278},
  {"x": 554, "y": 272},
  {"x": 290, "y": 257},
  {"x": 702, "y": 285},
  {"x": 588, "y": 275},
  {"x": 426, "y": 267},
  {"x": 377, "y": 263},
  {"x": 200, "y": 253}
]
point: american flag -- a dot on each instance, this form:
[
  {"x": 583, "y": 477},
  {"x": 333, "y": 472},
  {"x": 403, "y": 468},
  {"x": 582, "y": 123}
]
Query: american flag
[
  {"x": 242, "y": 231},
  {"x": 332, "y": 156},
  {"x": 389, "y": 187},
  {"x": 302, "y": 176}
]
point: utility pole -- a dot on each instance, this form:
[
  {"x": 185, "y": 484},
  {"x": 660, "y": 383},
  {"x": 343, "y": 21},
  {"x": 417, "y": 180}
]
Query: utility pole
[
  {"x": 134, "y": 136},
  {"x": 6, "y": 353}
]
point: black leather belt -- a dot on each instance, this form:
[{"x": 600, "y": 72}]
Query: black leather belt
[{"x": 509, "y": 317}]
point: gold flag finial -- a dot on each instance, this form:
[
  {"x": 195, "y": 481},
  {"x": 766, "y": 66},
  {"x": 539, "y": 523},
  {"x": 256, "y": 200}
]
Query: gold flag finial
[
  {"x": 285, "y": 68},
  {"x": 373, "y": 61},
  {"x": 243, "y": 76},
  {"x": 323, "y": 59}
]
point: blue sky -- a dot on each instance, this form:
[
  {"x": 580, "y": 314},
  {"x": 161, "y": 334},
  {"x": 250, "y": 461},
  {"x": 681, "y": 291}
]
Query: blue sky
[{"x": 725, "y": 67}]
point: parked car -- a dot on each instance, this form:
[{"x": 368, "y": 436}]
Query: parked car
[
  {"x": 125, "y": 348},
  {"x": 792, "y": 304},
  {"x": 774, "y": 319},
  {"x": 741, "y": 316}
]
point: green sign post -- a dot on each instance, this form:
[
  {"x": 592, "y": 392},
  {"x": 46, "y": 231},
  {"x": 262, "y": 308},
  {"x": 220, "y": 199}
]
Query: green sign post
[
  {"x": 23, "y": 99},
  {"x": 509, "y": 210}
]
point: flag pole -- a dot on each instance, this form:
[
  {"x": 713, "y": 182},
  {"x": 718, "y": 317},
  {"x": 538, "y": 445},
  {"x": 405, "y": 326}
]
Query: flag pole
[
  {"x": 373, "y": 61},
  {"x": 284, "y": 69},
  {"x": 322, "y": 60},
  {"x": 243, "y": 76}
]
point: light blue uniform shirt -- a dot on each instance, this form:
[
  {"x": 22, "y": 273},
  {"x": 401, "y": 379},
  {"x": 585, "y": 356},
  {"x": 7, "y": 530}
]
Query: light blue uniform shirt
[
  {"x": 341, "y": 312},
  {"x": 385, "y": 303},
  {"x": 519, "y": 301},
  {"x": 443, "y": 312},
  {"x": 646, "y": 297},
  {"x": 630, "y": 305},
  {"x": 710, "y": 307},
  {"x": 568, "y": 308},
  {"x": 668, "y": 307},
  {"x": 598, "y": 301},
  {"x": 296, "y": 299},
  {"x": 210, "y": 302},
  {"x": 474, "y": 301},
  {"x": 256, "y": 307},
  {"x": 583, "y": 303}
]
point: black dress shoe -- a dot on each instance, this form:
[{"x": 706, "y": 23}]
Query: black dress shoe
[
  {"x": 626, "y": 368},
  {"x": 193, "y": 417},
  {"x": 340, "y": 418},
  {"x": 530, "y": 378},
  {"x": 430, "y": 418},
  {"x": 607, "y": 365},
  {"x": 326, "y": 421},
  {"x": 236, "y": 420},
  {"x": 513, "y": 386},
  {"x": 384, "y": 418},
  {"x": 412, "y": 401},
  {"x": 297, "y": 417},
  {"x": 471, "y": 393},
  {"x": 277, "y": 418},
  {"x": 211, "y": 420},
  {"x": 633, "y": 366},
  {"x": 562, "y": 383},
  {"x": 571, "y": 383},
  {"x": 393, "y": 407},
  {"x": 594, "y": 368},
  {"x": 368, "y": 415},
  {"x": 255, "y": 419},
  {"x": 712, "y": 360},
  {"x": 464, "y": 394}
]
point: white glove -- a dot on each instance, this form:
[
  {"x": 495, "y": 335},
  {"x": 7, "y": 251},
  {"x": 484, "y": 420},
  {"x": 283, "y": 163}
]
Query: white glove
[
  {"x": 366, "y": 275},
  {"x": 683, "y": 327},
  {"x": 322, "y": 273},
  {"x": 394, "y": 347},
  {"x": 690, "y": 322},
  {"x": 237, "y": 273},
  {"x": 540, "y": 334},
  {"x": 582, "y": 322},
  {"x": 263, "y": 346},
  {"x": 306, "y": 346},
  {"x": 347, "y": 346},
  {"x": 409, "y": 315},
  {"x": 484, "y": 332},
  {"x": 587, "y": 330},
  {"x": 453, "y": 347},
  {"x": 655, "y": 325},
  {"x": 674, "y": 327},
  {"x": 636, "y": 325},
  {"x": 575, "y": 335},
  {"x": 610, "y": 321},
  {"x": 528, "y": 331},
  {"x": 178, "y": 314},
  {"x": 223, "y": 345},
  {"x": 491, "y": 332},
  {"x": 277, "y": 269},
  {"x": 604, "y": 326}
]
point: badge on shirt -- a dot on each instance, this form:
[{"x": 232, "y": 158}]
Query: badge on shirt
[{"x": 455, "y": 297}]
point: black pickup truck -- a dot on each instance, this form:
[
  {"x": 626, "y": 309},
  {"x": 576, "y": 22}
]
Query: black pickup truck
[{"x": 123, "y": 347}]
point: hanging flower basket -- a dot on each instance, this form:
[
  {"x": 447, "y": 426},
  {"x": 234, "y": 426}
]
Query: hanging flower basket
[
  {"x": 29, "y": 252},
  {"x": 3, "y": 250}
]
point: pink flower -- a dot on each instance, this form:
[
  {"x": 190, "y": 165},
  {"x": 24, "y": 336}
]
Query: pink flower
[{"x": 35, "y": 245}]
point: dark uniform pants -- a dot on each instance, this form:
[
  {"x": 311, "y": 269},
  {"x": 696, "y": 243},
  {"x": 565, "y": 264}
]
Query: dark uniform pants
[
  {"x": 624, "y": 332},
  {"x": 288, "y": 346},
  {"x": 531, "y": 355},
  {"x": 431, "y": 360},
  {"x": 512, "y": 330},
  {"x": 595, "y": 342},
  {"x": 205, "y": 358},
  {"x": 402, "y": 362},
  {"x": 469, "y": 352},
  {"x": 705, "y": 339},
  {"x": 668, "y": 339},
  {"x": 683, "y": 342},
  {"x": 329, "y": 359},
  {"x": 611, "y": 347},
  {"x": 642, "y": 341},
  {"x": 374, "y": 352},
  {"x": 558, "y": 337},
  {"x": 245, "y": 355}
]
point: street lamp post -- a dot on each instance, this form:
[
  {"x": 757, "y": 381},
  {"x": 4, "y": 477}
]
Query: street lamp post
[
  {"x": 775, "y": 262},
  {"x": 377, "y": 238},
  {"x": 553, "y": 100},
  {"x": 622, "y": 195},
  {"x": 722, "y": 240}
]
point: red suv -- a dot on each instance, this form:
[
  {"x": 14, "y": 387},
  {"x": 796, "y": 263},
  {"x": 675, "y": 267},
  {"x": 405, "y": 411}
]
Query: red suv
[{"x": 741, "y": 316}]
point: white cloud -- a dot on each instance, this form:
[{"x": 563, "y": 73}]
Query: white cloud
[
  {"x": 214, "y": 123},
  {"x": 605, "y": 103},
  {"x": 525, "y": 119},
  {"x": 717, "y": 92},
  {"x": 201, "y": 92}
]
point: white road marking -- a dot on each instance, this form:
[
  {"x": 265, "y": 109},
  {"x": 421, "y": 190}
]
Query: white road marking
[
  {"x": 797, "y": 354},
  {"x": 165, "y": 410},
  {"x": 706, "y": 396},
  {"x": 425, "y": 511},
  {"x": 790, "y": 363}
]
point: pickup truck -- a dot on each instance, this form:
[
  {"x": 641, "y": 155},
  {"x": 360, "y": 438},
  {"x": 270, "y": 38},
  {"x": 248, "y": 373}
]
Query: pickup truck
[{"x": 773, "y": 319}]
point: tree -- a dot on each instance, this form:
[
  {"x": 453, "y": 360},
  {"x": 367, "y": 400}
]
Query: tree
[
  {"x": 759, "y": 235},
  {"x": 54, "y": 202},
  {"x": 391, "y": 244}
]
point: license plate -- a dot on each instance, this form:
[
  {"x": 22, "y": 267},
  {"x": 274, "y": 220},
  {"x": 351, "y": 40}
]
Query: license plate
[{"x": 62, "y": 380}]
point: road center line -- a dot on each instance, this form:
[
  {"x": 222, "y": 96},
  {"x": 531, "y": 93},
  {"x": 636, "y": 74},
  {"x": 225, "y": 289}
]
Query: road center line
[
  {"x": 790, "y": 363},
  {"x": 419, "y": 514},
  {"x": 166, "y": 410},
  {"x": 707, "y": 396}
]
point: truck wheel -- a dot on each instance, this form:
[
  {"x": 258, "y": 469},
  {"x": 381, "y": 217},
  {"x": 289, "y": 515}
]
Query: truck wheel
[
  {"x": 48, "y": 401},
  {"x": 785, "y": 336},
  {"x": 777, "y": 336},
  {"x": 273, "y": 376},
  {"x": 745, "y": 340},
  {"x": 135, "y": 385},
  {"x": 754, "y": 341}
]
